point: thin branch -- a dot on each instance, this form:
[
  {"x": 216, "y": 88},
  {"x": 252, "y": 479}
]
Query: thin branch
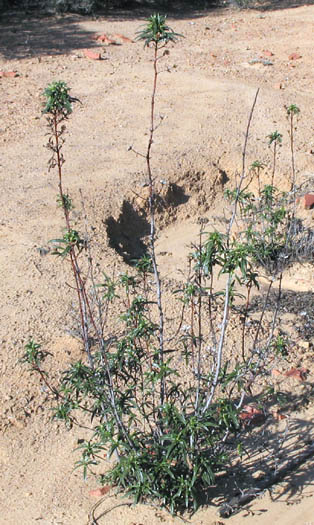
[
  {"x": 227, "y": 289},
  {"x": 153, "y": 228}
]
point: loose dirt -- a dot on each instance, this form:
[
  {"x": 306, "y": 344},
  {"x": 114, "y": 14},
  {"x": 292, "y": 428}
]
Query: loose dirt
[{"x": 205, "y": 93}]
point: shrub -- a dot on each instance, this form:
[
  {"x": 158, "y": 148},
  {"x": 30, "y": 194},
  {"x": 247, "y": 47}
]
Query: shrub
[
  {"x": 162, "y": 396},
  {"x": 74, "y": 6}
]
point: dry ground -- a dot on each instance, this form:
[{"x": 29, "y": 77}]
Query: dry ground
[{"x": 205, "y": 95}]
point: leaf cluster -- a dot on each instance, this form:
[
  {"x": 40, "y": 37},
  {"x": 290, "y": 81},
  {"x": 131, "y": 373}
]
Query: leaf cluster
[
  {"x": 157, "y": 31},
  {"x": 267, "y": 230},
  {"x": 33, "y": 354},
  {"x": 58, "y": 100},
  {"x": 71, "y": 240}
]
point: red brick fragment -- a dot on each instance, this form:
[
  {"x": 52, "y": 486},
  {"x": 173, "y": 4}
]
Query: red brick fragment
[
  {"x": 105, "y": 39},
  {"x": 98, "y": 493},
  {"x": 294, "y": 56},
  {"x": 92, "y": 54},
  {"x": 267, "y": 53},
  {"x": 277, "y": 415},
  {"x": 251, "y": 414},
  {"x": 8, "y": 74},
  {"x": 297, "y": 373},
  {"x": 309, "y": 201}
]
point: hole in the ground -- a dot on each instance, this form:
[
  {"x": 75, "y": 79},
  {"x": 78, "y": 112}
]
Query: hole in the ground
[
  {"x": 126, "y": 234},
  {"x": 190, "y": 196},
  {"x": 174, "y": 195}
]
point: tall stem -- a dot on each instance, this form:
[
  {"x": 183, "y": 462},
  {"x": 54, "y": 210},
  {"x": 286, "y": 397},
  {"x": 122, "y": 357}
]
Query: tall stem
[
  {"x": 80, "y": 285},
  {"x": 274, "y": 164},
  {"x": 245, "y": 318},
  {"x": 152, "y": 225},
  {"x": 293, "y": 182},
  {"x": 227, "y": 289},
  {"x": 200, "y": 336}
]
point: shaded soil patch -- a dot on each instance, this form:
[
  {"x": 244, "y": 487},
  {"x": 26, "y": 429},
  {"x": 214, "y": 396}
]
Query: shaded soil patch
[{"x": 126, "y": 233}]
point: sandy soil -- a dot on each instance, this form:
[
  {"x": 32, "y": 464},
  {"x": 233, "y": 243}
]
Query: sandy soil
[{"x": 205, "y": 94}]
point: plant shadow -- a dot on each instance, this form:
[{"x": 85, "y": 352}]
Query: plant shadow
[
  {"x": 268, "y": 449},
  {"x": 125, "y": 235},
  {"x": 38, "y": 36},
  {"x": 276, "y": 5},
  {"x": 281, "y": 439}
]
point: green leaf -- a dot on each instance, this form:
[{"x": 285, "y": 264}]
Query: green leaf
[{"x": 58, "y": 99}]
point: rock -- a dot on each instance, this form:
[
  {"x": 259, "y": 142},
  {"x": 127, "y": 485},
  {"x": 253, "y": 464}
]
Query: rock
[
  {"x": 297, "y": 373},
  {"x": 105, "y": 39},
  {"x": 98, "y": 493},
  {"x": 251, "y": 414},
  {"x": 263, "y": 61},
  {"x": 8, "y": 74},
  {"x": 309, "y": 201},
  {"x": 267, "y": 53},
  {"x": 277, "y": 415},
  {"x": 258, "y": 474},
  {"x": 92, "y": 54},
  {"x": 304, "y": 344},
  {"x": 294, "y": 56}
]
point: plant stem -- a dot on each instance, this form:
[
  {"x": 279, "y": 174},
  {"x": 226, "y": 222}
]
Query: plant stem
[
  {"x": 80, "y": 285},
  {"x": 262, "y": 314},
  {"x": 227, "y": 289},
  {"x": 84, "y": 305},
  {"x": 153, "y": 227},
  {"x": 200, "y": 336},
  {"x": 293, "y": 182},
  {"x": 274, "y": 163},
  {"x": 244, "y": 320}
]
